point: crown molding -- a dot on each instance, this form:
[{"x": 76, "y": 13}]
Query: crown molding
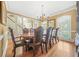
[
  {"x": 19, "y": 14},
  {"x": 74, "y": 7}
]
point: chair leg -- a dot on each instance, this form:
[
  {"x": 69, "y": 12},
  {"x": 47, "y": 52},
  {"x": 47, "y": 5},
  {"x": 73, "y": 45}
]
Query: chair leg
[
  {"x": 33, "y": 51},
  {"x": 78, "y": 54},
  {"x": 46, "y": 47},
  {"x": 55, "y": 40},
  {"x": 50, "y": 43},
  {"x": 41, "y": 48},
  {"x": 52, "y": 40},
  {"x": 14, "y": 52},
  {"x": 76, "y": 48},
  {"x": 27, "y": 46},
  {"x": 58, "y": 39}
]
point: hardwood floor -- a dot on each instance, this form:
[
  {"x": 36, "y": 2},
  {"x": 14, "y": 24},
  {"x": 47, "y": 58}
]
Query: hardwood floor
[{"x": 60, "y": 49}]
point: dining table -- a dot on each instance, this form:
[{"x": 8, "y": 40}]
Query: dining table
[{"x": 27, "y": 37}]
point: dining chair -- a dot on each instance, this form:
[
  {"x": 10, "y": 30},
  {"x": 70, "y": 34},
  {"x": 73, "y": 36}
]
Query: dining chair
[
  {"x": 50, "y": 36},
  {"x": 47, "y": 39},
  {"x": 31, "y": 30},
  {"x": 18, "y": 43},
  {"x": 37, "y": 42},
  {"x": 25, "y": 30},
  {"x": 55, "y": 34}
]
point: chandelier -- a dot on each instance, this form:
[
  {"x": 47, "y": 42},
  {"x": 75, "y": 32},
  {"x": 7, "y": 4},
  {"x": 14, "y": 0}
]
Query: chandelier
[{"x": 42, "y": 18}]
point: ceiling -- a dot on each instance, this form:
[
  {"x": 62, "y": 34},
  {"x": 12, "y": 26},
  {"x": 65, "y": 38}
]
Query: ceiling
[{"x": 33, "y": 8}]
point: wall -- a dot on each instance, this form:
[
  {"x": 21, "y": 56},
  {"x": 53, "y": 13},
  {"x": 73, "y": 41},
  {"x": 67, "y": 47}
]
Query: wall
[
  {"x": 2, "y": 27},
  {"x": 1, "y": 41},
  {"x": 4, "y": 41}
]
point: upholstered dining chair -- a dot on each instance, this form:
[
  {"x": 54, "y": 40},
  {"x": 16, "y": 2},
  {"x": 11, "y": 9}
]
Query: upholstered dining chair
[
  {"x": 31, "y": 30},
  {"x": 52, "y": 40},
  {"x": 25, "y": 30},
  {"x": 50, "y": 36},
  {"x": 47, "y": 39},
  {"x": 55, "y": 34},
  {"x": 18, "y": 43},
  {"x": 37, "y": 41}
]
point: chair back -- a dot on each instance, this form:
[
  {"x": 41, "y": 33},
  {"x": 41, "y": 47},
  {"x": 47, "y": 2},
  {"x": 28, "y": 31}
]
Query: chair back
[
  {"x": 32, "y": 30},
  {"x": 39, "y": 34},
  {"x": 25, "y": 30},
  {"x": 53, "y": 34},
  {"x": 49, "y": 34},
  {"x": 12, "y": 35},
  {"x": 56, "y": 33}
]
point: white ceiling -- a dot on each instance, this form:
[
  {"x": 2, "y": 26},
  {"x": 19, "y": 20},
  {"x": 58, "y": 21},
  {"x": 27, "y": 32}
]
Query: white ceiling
[{"x": 33, "y": 8}]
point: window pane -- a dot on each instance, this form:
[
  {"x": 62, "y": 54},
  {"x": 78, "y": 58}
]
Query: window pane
[
  {"x": 27, "y": 23},
  {"x": 51, "y": 23},
  {"x": 19, "y": 20}
]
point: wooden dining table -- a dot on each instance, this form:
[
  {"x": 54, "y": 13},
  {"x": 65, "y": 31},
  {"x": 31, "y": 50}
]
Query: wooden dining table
[{"x": 27, "y": 36}]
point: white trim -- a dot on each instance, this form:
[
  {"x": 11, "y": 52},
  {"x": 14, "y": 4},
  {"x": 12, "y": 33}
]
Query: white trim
[
  {"x": 5, "y": 42},
  {"x": 5, "y": 49}
]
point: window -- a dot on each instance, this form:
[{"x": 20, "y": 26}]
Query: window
[
  {"x": 44, "y": 25},
  {"x": 15, "y": 22},
  {"x": 27, "y": 23},
  {"x": 51, "y": 23},
  {"x": 64, "y": 24},
  {"x": 20, "y": 20},
  {"x": 35, "y": 23}
]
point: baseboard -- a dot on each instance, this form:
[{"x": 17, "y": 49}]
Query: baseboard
[{"x": 68, "y": 41}]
